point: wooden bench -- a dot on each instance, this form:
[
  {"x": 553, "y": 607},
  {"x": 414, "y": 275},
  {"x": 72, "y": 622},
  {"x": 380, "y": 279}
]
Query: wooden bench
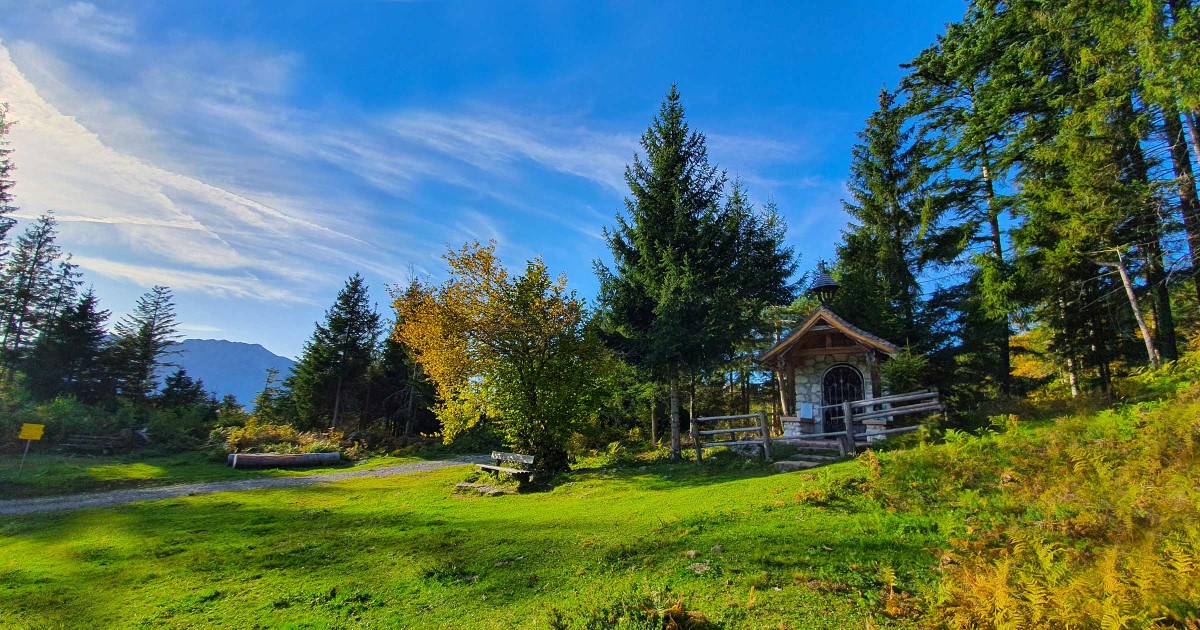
[
  {"x": 102, "y": 444},
  {"x": 505, "y": 463}
]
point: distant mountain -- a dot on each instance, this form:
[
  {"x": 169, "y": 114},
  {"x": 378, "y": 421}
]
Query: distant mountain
[{"x": 228, "y": 367}]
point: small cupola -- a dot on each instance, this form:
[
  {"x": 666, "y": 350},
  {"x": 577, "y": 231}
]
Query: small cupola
[{"x": 824, "y": 286}]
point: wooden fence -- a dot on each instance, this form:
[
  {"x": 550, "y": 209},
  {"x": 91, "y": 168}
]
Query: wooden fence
[
  {"x": 877, "y": 409},
  {"x": 762, "y": 430}
]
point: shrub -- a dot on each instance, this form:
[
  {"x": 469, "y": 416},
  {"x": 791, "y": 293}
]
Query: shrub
[{"x": 278, "y": 438}]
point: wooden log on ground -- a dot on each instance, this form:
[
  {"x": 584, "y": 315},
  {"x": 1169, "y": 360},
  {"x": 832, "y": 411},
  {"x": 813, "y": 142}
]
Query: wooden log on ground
[{"x": 281, "y": 460}]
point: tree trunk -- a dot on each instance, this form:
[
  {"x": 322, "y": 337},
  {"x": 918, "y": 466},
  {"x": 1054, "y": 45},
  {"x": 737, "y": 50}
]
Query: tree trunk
[
  {"x": 1004, "y": 369},
  {"x": 1189, "y": 206},
  {"x": 782, "y": 381},
  {"x": 337, "y": 403},
  {"x": 410, "y": 412},
  {"x": 675, "y": 445},
  {"x": 692, "y": 417},
  {"x": 1156, "y": 275},
  {"x": 1151, "y": 352},
  {"x": 745, "y": 384},
  {"x": 1073, "y": 377},
  {"x": 1193, "y": 132},
  {"x": 653, "y": 420}
]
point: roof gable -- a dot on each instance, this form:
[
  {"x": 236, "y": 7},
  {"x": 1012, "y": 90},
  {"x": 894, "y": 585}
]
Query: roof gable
[{"x": 824, "y": 319}]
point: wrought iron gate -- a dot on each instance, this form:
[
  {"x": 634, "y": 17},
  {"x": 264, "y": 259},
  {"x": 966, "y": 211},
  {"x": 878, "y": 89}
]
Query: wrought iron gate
[{"x": 841, "y": 383}]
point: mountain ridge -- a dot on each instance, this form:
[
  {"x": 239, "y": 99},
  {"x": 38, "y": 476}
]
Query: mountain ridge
[{"x": 227, "y": 367}]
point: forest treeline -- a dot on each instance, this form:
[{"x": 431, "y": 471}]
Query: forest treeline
[
  {"x": 1023, "y": 204},
  {"x": 1023, "y": 219}
]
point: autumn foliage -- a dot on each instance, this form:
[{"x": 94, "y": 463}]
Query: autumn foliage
[{"x": 514, "y": 350}]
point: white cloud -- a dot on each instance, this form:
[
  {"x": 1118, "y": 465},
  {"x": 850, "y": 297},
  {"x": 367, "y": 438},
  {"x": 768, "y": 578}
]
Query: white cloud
[
  {"x": 82, "y": 24},
  {"x": 196, "y": 166},
  {"x": 224, "y": 286}
]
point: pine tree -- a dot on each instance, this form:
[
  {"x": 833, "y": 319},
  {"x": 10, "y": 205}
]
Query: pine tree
[
  {"x": 961, "y": 92},
  {"x": 231, "y": 413},
  {"x": 143, "y": 339},
  {"x": 327, "y": 380},
  {"x": 896, "y": 230},
  {"x": 69, "y": 358},
  {"x": 6, "y": 182},
  {"x": 403, "y": 396},
  {"x": 27, "y": 287},
  {"x": 269, "y": 400},
  {"x": 181, "y": 391},
  {"x": 64, "y": 288},
  {"x": 689, "y": 277}
]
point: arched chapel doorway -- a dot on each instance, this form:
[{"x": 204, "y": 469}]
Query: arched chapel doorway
[{"x": 842, "y": 382}]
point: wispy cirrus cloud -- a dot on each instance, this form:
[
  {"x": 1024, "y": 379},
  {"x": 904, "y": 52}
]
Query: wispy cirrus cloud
[{"x": 196, "y": 164}]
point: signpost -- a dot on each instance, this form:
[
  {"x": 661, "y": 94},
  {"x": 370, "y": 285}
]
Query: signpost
[{"x": 29, "y": 433}]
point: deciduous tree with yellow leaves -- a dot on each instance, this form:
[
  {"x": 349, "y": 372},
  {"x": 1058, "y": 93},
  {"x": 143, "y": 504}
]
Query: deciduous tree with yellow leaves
[{"x": 516, "y": 350}]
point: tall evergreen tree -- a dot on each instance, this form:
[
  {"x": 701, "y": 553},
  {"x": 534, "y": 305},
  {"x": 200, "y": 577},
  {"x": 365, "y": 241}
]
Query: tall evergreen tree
[
  {"x": 329, "y": 376},
  {"x": 401, "y": 395},
  {"x": 6, "y": 181},
  {"x": 143, "y": 340},
  {"x": 690, "y": 277},
  {"x": 27, "y": 287},
  {"x": 896, "y": 230},
  {"x": 69, "y": 357}
]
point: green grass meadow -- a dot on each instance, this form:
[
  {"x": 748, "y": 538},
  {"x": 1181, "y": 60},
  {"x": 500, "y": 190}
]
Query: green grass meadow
[
  {"x": 742, "y": 546},
  {"x": 1100, "y": 509}
]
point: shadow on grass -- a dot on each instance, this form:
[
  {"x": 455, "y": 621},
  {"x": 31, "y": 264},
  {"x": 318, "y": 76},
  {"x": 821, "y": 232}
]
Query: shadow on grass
[{"x": 402, "y": 550}]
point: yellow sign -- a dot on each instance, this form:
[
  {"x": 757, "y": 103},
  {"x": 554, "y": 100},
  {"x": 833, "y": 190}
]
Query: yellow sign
[{"x": 31, "y": 431}]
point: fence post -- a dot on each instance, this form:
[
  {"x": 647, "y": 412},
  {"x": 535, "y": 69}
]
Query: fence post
[
  {"x": 766, "y": 435},
  {"x": 696, "y": 440},
  {"x": 849, "y": 419}
]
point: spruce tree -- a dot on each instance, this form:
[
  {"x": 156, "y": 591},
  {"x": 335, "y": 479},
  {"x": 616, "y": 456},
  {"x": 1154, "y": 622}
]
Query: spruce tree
[
  {"x": 181, "y": 391},
  {"x": 328, "y": 378},
  {"x": 268, "y": 401},
  {"x": 27, "y": 286},
  {"x": 689, "y": 277},
  {"x": 895, "y": 231},
  {"x": 69, "y": 357},
  {"x": 143, "y": 339},
  {"x": 6, "y": 181}
]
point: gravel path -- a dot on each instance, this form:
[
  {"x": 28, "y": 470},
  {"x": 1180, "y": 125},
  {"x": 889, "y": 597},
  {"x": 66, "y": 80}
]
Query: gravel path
[{"x": 121, "y": 497}]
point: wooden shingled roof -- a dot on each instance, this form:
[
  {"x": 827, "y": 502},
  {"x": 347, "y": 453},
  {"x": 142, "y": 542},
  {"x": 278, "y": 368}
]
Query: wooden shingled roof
[{"x": 825, "y": 316}]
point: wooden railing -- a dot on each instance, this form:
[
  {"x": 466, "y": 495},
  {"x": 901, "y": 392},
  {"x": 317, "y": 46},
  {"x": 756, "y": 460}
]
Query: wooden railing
[
  {"x": 763, "y": 430},
  {"x": 926, "y": 401}
]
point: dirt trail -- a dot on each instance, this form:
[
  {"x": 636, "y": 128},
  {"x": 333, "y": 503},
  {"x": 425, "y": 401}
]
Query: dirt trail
[{"x": 120, "y": 497}]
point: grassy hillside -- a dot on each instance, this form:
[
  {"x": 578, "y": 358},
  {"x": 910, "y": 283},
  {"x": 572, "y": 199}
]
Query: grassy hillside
[{"x": 1089, "y": 521}]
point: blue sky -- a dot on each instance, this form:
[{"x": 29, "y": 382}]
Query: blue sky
[{"x": 252, "y": 155}]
